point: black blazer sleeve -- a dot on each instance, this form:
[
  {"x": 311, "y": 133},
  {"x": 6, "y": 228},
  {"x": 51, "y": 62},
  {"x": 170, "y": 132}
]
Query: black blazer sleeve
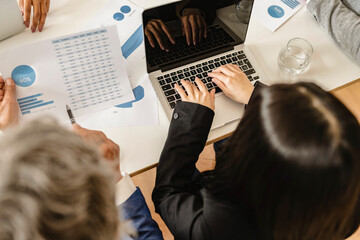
[{"x": 178, "y": 206}]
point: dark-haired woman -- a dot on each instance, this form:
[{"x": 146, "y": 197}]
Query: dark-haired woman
[{"x": 290, "y": 171}]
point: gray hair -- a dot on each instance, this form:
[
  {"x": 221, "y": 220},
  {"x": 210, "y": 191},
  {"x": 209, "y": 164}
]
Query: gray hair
[{"x": 54, "y": 186}]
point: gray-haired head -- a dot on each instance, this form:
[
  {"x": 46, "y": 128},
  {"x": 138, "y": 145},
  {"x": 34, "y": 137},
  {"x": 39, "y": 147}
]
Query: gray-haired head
[{"x": 54, "y": 186}]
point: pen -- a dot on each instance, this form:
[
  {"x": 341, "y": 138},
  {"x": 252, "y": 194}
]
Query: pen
[{"x": 71, "y": 116}]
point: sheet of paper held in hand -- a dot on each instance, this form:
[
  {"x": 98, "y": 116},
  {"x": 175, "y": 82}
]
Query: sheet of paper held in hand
[
  {"x": 273, "y": 13},
  {"x": 85, "y": 71}
]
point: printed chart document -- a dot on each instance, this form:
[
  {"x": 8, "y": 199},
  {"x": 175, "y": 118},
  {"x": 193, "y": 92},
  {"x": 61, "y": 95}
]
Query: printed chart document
[
  {"x": 273, "y": 13},
  {"x": 143, "y": 111},
  {"x": 85, "y": 71},
  {"x": 128, "y": 19}
]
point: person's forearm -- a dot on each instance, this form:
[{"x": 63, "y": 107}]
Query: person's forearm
[
  {"x": 135, "y": 209},
  {"x": 341, "y": 23},
  {"x": 186, "y": 139}
]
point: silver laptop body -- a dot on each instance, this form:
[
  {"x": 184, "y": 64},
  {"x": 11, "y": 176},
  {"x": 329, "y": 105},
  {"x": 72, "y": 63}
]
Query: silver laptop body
[
  {"x": 163, "y": 74},
  {"x": 10, "y": 19}
]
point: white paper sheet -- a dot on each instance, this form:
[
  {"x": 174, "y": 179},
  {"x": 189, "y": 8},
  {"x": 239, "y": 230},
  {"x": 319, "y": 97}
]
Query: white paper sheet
[
  {"x": 143, "y": 111},
  {"x": 128, "y": 19},
  {"x": 84, "y": 70},
  {"x": 273, "y": 13}
]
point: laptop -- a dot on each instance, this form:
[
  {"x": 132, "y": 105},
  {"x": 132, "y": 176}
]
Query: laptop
[
  {"x": 11, "y": 19},
  {"x": 227, "y": 25}
]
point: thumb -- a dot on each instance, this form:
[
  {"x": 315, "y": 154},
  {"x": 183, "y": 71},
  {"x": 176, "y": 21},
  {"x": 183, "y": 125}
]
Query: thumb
[
  {"x": 76, "y": 127},
  {"x": 212, "y": 94},
  {"x": 10, "y": 89}
]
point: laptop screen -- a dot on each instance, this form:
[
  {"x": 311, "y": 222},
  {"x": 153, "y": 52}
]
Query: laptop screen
[{"x": 179, "y": 33}]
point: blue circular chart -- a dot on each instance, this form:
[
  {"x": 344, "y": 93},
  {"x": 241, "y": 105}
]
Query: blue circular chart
[
  {"x": 276, "y": 11},
  {"x": 23, "y": 75},
  {"x": 125, "y": 9},
  {"x": 118, "y": 16}
]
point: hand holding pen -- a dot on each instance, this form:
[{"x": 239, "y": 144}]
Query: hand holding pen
[{"x": 109, "y": 150}]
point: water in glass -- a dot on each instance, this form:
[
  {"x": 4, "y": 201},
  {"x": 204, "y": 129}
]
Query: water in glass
[{"x": 295, "y": 57}]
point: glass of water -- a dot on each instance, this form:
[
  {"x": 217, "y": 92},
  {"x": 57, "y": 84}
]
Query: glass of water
[
  {"x": 243, "y": 10},
  {"x": 295, "y": 57}
]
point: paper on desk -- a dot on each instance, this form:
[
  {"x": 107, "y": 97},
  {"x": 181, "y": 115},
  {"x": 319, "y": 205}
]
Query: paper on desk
[
  {"x": 143, "y": 111},
  {"x": 273, "y": 13},
  {"x": 128, "y": 19},
  {"x": 84, "y": 70}
]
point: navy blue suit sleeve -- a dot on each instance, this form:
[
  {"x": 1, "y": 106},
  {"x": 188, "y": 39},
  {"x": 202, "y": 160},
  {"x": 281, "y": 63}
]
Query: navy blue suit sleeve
[{"x": 136, "y": 210}]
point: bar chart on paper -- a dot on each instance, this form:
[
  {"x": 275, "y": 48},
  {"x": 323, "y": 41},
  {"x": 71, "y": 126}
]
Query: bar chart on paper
[
  {"x": 273, "y": 13},
  {"x": 291, "y": 3},
  {"x": 34, "y": 103},
  {"x": 84, "y": 70}
]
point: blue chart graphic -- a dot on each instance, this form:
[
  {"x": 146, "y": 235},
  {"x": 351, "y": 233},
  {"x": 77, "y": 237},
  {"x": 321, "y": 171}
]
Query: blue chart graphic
[
  {"x": 291, "y": 3},
  {"x": 123, "y": 10},
  {"x": 276, "y": 11},
  {"x": 133, "y": 42},
  {"x": 23, "y": 75},
  {"x": 139, "y": 94},
  {"x": 33, "y": 102},
  {"x": 118, "y": 16}
]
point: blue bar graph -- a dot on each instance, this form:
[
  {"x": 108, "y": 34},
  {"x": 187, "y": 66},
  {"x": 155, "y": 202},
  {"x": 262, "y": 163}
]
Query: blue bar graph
[
  {"x": 36, "y": 106},
  {"x": 28, "y": 101},
  {"x": 29, "y": 97},
  {"x": 291, "y": 3},
  {"x": 29, "y": 104}
]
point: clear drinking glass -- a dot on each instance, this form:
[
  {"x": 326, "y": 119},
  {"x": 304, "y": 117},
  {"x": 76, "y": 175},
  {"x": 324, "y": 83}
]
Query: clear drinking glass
[
  {"x": 243, "y": 10},
  {"x": 295, "y": 57}
]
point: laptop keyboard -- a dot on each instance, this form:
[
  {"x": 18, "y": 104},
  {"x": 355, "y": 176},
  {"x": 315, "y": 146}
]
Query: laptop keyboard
[
  {"x": 201, "y": 70},
  {"x": 219, "y": 38}
]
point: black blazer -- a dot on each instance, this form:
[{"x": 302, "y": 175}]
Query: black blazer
[{"x": 193, "y": 213}]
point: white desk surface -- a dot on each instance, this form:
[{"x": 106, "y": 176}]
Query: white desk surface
[{"x": 141, "y": 146}]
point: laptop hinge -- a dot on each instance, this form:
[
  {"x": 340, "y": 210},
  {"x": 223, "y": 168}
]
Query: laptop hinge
[{"x": 194, "y": 59}]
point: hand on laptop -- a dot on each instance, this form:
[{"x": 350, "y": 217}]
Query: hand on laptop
[
  {"x": 194, "y": 26},
  {"x": 109, "y": 150},
  {"x": 233, "y": 82},
  {"x": 9, "y": 108},
  {"x": 199, "y": 95},
  {"x": 157, "y": 32},
  {"x": 40, "y": 10}
]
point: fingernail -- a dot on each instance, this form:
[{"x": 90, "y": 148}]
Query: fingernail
[
  {"x": 40, "y": 29},
  {"x": 9, "y": 82},
  {"x": 33, "y": 29},
  {"x": 27, "y": 24},
  {"x": 194, "y": 43}
]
